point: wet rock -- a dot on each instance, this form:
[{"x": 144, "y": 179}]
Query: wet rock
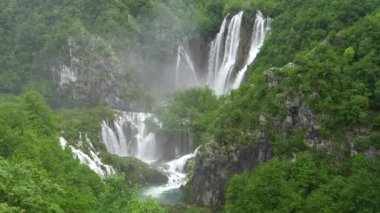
[
  {"x": 137, "y": 172},
  {"x": 87, "y": 70},
  {"x": 214, "y": 167}
]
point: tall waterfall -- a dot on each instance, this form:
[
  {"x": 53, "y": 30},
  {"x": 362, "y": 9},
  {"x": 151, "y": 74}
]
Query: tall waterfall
[
  {"x": 222, "y": 62},
  {"x": 223, "y": 71},
  {"x": 186, "y": 75},
  {"x": 260, "y": 30}
]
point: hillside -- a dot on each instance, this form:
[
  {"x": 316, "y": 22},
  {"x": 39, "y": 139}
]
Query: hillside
[{"x": 229, "y": 106}]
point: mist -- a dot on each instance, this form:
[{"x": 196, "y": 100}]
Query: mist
[{"x": 154, "y": 57}]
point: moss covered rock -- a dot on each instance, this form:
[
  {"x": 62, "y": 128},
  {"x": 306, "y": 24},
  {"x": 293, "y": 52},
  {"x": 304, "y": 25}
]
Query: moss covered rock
[{"x": 136, "y": 171}]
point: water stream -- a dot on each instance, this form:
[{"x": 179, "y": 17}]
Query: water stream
[{"x": 169, "y": 193}]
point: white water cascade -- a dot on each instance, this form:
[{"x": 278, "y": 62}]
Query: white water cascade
[
  {"x": 186, "y": 75},
  {"x": 128, "y": 136},
  {"x": 260, "y": 30},
  {"x": 92, "y": 160},
  {"x": 177, "y": 176},
  {"x": 223, "y": 71},
  {"x": 222, "y": 63}
]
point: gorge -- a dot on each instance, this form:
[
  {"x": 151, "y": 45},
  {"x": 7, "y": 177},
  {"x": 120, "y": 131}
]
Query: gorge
[
  {"x": 128, "y": 134},
  {"x": 189, "y": 106}
]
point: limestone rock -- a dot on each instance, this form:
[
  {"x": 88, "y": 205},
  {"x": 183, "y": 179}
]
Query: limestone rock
[
  {"x": 214, "y": 167},
  {"x": 87, "y": 70}
]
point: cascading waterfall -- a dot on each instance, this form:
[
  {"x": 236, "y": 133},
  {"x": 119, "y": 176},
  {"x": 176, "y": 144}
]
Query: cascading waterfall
[
  {"x": 128, "y": 136},
  {"x": 92, "y": 160},
  {"x": 223, "y": 72},
  {"x": 177, "y": 177},
  {"x": 260, "y": 30},
  {"x": 214, "y": 54},
  {"x": 220, "y": 83},
  {"x": 186, "y": 75}
]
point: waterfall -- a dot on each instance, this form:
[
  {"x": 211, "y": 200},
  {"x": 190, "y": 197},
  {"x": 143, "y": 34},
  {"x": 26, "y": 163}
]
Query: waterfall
[
  {"x": 260, "y": 30},
  {"x": 214, "y": 54},
  {"x": 223, "y": 72},
  {"x": 128, "y": 136},
  {"x": 92, "y": 160},
  {"x": 175, "y": 171},
  {"x": 220, "y": 83},
  {"x": 186, "y": 75},
  {"x": 112, "y": 142}
]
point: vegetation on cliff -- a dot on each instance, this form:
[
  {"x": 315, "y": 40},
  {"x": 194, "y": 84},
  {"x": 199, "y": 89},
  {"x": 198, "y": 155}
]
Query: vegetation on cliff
[
  {"x": 36, "y": 174},
  {"x": 321, "y": 56},
  {"x": 312, "y": 89}
]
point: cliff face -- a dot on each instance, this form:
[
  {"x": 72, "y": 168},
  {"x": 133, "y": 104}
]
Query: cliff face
[
  {"x": 173, "y": 144},
  {"x": 213, "y": 168},
  {"x": 215, "y": 164},
  {"x": 87, "y": 70}
]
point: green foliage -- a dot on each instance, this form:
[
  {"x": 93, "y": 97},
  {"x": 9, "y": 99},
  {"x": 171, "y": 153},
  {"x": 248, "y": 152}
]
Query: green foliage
[
  {"x": 190, "y": 110},
  {"x": 304, "y": 185},
  {"x": 349, "y": 54},
  {"x": 118, "y": 197},
  {"x": 33, "y": 34},
  {"x": 51, "y": 179},
  {"x": 28, "y": 188},
  {"x": 266, "y": 190},
  {"x": 85, "y": 121},
  {"x": 336, "y": 72},
  {"x": 37, "y": 175}
]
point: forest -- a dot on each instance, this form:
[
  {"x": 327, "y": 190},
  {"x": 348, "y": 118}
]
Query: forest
[{"x": 312, "y": 95}]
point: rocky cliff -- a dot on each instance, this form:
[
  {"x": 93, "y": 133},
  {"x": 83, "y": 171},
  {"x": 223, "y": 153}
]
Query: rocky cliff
[
  {"x": 87, "y": 70},
  {"x": 214, "y": 167},
  {"x": 215, "y": 164}
]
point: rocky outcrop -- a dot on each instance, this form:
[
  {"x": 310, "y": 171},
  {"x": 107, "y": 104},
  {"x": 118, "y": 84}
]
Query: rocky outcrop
[
  {"x": 173, "y": 144},
  {"x": 138, "y": 173},
  {"x": 87, "y": 70},
  {"x": 214, "y": 167}
]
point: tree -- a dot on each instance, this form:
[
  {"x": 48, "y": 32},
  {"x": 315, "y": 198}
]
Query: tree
[{"x": 118, "y": 197}]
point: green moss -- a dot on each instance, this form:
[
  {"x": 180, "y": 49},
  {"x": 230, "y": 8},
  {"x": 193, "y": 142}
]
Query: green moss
[{"x": 135, "y": 171}]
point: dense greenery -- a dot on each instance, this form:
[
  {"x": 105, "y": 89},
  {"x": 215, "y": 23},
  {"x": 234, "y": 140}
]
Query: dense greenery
[
  {"x": 307, "y": 185},
  {"x": 117, "y": 197},
  {"x": 190, "y": 110},
  {"x": 336, "y": 67},
  {"x": 36, "y": 174},
  {"x": 336, "y": 56},
  {"x": 322, "y": 56},
  {"x": 85, "y": 121},
  {"x": 33, "y": 33},
  {"x": 334, "y": 46}
]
